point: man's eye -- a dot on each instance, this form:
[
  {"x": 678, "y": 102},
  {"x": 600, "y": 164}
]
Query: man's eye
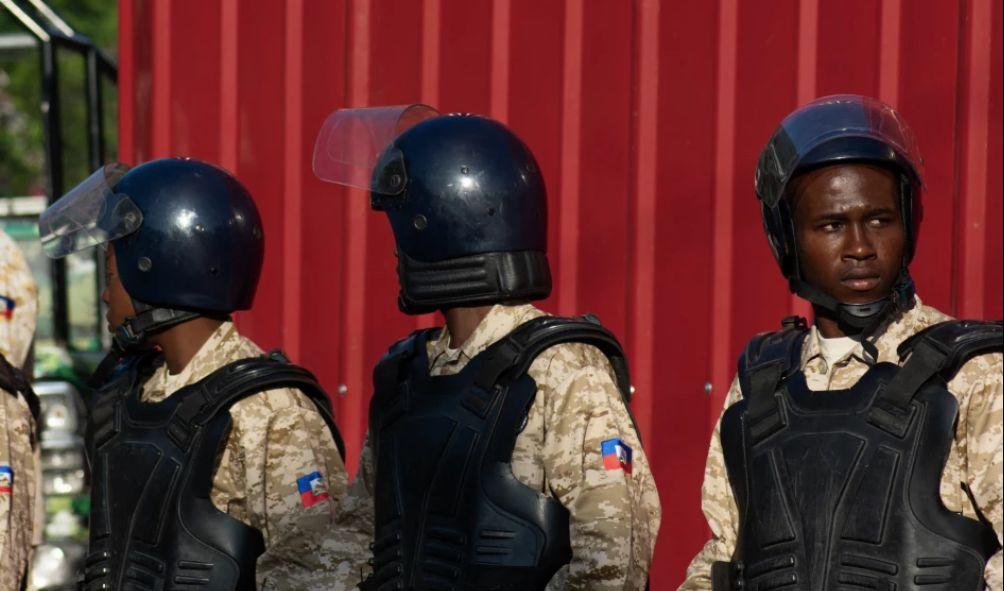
[
  {"x": 878, "y": 222},
  {"x": 831, "y": 227}
]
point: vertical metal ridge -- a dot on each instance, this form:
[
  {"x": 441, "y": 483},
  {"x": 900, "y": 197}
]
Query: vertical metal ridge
[
  {"x": 356, "y": 208},
  {"x": 127, "y": 82},
  {"x": 889, "y": 44},
  {"x": 229, "y": 132},
  {"x": 972, "y": 222},
  {"x": 501, "y": 30},
  {"x": 161, "y": 95},
  {"x": 725, "y": 116},
  {"x": 645, "y": 210},
  {"x": 292, "y": 202},
  {"x": 571, "y": 132},
  {"x": 431, "y": 15},
  {"x": 808, "y": 59}
]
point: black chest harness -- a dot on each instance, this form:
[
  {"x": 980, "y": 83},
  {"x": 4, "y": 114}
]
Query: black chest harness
[
  {"x": 153, "y": 526},
  {"x": 839, "y": 490},
  {"x": 450, "y": 514}
]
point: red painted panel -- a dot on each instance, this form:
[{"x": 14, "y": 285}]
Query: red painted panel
[
  {"x": 681, "y": 408},
  {"x": 605, "y": 147},
  {"x": 465, "y": 33},
  {"x": 536, "y": 38},
  {"x": 260, "y": 153},
  {"x": 323, "y": 208},
  {"x": 928, "y": 100},
  {"x": 994, "y": 264},
  {"x": 765, "y": 92},
  {"x": 195, "y": 79},
  {"x": 846, "y": 66},
  {"x": 653, "y": 221},
  {"x": 140, "y": 78}
]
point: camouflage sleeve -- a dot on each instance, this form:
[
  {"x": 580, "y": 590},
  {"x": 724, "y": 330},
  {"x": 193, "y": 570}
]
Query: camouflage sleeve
[
  {"x": 615, "y": 509},
  {"x": 719, "y": 508},
  {"x": 285, "y": 475},
  {"x": 980, "y": 382},
  {"x": 357, "y": 512},
  {"x": 18, "y": 489}
]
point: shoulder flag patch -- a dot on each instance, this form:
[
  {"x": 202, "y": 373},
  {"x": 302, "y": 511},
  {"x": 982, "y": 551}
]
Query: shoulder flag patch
[
  {"x": 6, "y": 479},
  {"x": 616, "y": 455},
  {"x": 312, "y": 489}
]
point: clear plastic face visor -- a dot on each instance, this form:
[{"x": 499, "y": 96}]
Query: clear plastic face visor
[
  {"x": 352, "y": 141},
  {"x": 89, "y": 215}
]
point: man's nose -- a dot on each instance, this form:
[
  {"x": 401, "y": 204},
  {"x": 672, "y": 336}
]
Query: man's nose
[{"x": 858, "y": 245}]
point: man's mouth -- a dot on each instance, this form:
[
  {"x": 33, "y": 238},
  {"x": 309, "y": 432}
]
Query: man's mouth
[{"x": 861, "y": 280}]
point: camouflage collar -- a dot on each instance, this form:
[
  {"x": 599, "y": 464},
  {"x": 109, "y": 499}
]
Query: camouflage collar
[{"x": 500, "y": 321}]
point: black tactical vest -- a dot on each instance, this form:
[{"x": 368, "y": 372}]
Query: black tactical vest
[
  {"x": 450, "y": 515},
  {"x": 153, "y": 526},
  {"x": 840, "y": 489}
]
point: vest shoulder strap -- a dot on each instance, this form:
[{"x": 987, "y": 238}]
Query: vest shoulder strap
[
  {"x": 387, "y": 373},
  {"x": 240, "y": 379},
  {"x": 766, "y": 362},
  {"x": 511, "y": 357},
  {"x": 941, "y": 349}
]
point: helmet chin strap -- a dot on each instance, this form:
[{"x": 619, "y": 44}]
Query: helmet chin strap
[
  {"x": 861, "y": 318},
  {"x": 148, "y": 320}
]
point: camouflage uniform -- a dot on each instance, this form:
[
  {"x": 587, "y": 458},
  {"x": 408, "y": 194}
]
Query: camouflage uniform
[
  {"x": 975, "y": 457},
  {"x": 614, "y": 515},
  {"x": 20, "y": 506},
  {"x": 275, "y": 437}
]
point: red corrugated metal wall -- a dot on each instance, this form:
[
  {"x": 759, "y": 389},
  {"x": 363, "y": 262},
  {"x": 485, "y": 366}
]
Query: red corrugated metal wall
[{"x": 646, "y": 117}]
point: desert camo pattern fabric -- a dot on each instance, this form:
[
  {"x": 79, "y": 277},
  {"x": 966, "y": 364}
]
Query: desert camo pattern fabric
[
  {"x": 614, "y": 506},
  {"x": 975, "y": 457},
  {"x": 279, "y": 472},
  {"x": 21, "y": 515}
]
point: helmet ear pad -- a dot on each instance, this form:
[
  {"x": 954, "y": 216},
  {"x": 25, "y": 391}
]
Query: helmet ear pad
[{"x": 778, "y": 224}]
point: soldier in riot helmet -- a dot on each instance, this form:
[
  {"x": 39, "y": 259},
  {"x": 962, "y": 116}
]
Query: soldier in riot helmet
[
  {"x": 863, "y": 451},
  {"x": 501, "y": 452},
  {"x": 212, "y": 464}
]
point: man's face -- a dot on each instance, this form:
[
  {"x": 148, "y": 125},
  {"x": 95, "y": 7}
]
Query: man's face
[
  {"x": 849, "y": 230},
  {"x": 114, "y": 296}
]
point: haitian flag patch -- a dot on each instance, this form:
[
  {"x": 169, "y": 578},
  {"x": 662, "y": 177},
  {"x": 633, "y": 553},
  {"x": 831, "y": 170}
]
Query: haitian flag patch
[
  {"x": 7, "y": 306},
  {"x": 616, "y": 455},
  {"x": 6, "y": 479},
  {"x": 312, "y": 489}
]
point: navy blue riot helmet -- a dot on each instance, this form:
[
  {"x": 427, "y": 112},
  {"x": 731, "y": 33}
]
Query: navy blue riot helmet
[
  {"x": 187, "y": 238},
  {"x": 465, "y": 199},
  {"x": 833, "y": 130}
]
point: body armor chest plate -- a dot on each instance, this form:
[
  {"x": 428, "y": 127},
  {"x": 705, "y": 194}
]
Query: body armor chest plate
[
  {"x": 153, "y": 525},
  {"x": 450, "y": 514},
  {"x": 840, "y": 489}
]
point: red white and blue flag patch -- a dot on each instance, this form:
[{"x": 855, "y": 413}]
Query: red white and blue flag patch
[
  {"x": 616, "y": 455},
  {"x": 6, "y": 479},
  {"x": 312, "y": 489},
  {"x": 7, "y": 306}
]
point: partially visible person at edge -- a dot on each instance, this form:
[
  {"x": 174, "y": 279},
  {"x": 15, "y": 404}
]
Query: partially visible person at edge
[
  {"x": 864, "y": 450},
  {"x": 20, "y": 490},
  {"x": 223, "y": 463},
  {"x": 503, "y": 390}
]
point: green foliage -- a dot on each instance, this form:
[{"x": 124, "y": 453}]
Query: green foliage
[{"x": 22, "y": 162}]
